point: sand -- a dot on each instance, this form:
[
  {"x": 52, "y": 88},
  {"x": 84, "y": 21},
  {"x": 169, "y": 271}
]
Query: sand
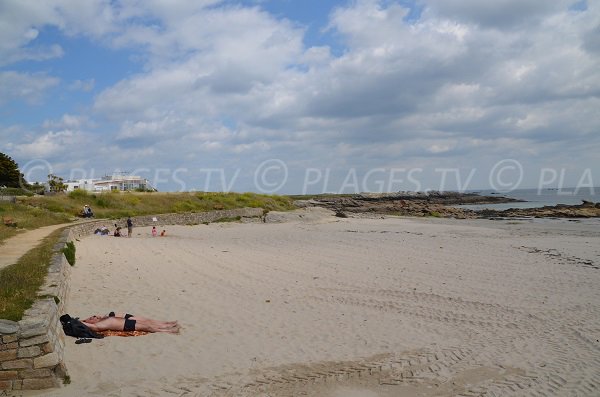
[{"x": 325, "y": 306}]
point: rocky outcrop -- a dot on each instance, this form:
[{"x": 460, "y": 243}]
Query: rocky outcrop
[
  {"x": 441, "y": 205},
  {"x": 586, "y": 209},
  {"x": 404, "y": 204}
]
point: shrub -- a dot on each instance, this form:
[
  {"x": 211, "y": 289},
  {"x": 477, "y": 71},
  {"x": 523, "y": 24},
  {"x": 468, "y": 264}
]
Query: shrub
[
  {"x": 78, "y": 193},
  {"x": 69, "y": 252}
]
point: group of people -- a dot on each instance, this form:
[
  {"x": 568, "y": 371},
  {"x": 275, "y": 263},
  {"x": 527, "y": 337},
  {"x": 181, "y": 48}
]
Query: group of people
[
  {"x": 155, "y": 232},
  {"x": 103, "y": 230}
]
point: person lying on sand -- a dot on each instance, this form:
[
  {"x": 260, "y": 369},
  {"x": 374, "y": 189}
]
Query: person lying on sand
[{"x": 128, "y": 322}]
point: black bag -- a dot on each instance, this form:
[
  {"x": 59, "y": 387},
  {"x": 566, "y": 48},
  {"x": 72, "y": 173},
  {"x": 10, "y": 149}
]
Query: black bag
[{"x": 74, "y": 327}]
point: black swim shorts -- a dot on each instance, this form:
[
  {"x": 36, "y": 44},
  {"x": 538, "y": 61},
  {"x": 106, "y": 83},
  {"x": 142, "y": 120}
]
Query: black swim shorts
[
  {"x": 129, "y": 325},
  {"x": 127, "y": 315}
]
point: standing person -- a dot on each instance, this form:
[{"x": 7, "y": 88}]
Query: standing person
[
  {"x": 154, "y": 231},
  {"x": 129, "y": 227}
]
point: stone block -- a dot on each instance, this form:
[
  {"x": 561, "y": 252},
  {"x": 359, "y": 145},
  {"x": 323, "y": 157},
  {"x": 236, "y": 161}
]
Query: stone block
[
  {"x": 61, "y": 371},
  {"x": 7, "y": 355},
  {"x": 34, "y": 332},
  {"x": 17, "y": 384},
  {"x": 39, "y": 383},
  {"x": 24, "y": 363},
  {"x": 9, "y": 338},
  {"x": 8, "y": 327},
  {"x": 36, "y": 373},
  {"x": 8, "y": 346},
  {"x": 48, "y": 360},
  {"x": 31, "y": 351},
  {"x": 9, "y": 375},
  {"x": 37, "y": 340},
  {"x": 47, "y": 348},
  {"x": 6, "y": 385}
]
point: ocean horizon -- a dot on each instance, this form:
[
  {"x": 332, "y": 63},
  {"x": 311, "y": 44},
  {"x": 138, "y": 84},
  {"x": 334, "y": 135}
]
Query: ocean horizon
[{"x": 535, "y": 198}]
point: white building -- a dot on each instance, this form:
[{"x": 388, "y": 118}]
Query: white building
[{"x": 109, "y": 183}]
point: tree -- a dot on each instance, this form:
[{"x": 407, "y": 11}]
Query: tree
[
  {"x": 55, "y": 183},
  {"x": 10, "y": 176}
]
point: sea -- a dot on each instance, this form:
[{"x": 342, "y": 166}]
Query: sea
[{"x": 534, "y": 198}]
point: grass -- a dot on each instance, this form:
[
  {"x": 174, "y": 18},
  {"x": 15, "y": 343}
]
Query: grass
[
  {"x": 69, "y": 252},
  {"x": 20, "y": 282},
  {"x": 28, "y": 217},
  {"x": 114, "y": 205}
]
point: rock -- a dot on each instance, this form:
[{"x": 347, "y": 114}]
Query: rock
[
  {"x": 8, "y": 327},
  {"x": 587, "y": 204},
  {"x": 48, "y": 360}
]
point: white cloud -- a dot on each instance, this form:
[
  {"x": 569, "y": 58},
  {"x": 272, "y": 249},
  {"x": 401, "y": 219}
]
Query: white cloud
[
  {"x": 67, "y": 121},
  {"x": 29, "y": 87},
  {"x": 468, "y": 80},
  {"x": 498, "y": 13},
  {"x": 50, "y": 145},
  {"x": 82, "y": 85}
]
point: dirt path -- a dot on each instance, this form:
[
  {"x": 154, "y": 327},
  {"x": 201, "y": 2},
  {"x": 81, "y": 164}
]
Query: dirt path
[{"x": 15, "y": 247}]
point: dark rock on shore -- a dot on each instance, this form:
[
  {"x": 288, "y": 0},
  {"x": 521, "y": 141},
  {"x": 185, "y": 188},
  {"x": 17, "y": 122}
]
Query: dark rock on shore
[
  {"x": 435, "y": 204},
  {"x": 586, "y": 209},
  {"x": 440, "y": 204}
]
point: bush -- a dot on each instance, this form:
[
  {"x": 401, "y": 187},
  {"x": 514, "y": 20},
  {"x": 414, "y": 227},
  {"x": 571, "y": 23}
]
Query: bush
[
  {"x": 78, "y": 194},
  {"x": 69, "y": 252},
  {"x": 15, "y": 191}
]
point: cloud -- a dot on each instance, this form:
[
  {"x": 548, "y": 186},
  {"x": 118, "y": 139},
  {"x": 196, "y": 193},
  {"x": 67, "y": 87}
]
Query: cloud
[
  {"x": 29, "y": 87},
  {"x": 82, "y": 85},
  {"x": 50, "y": 145},
  {"x": 67, "y": 121},
  {"x": 222, "y": 84},
  {"x": 496, "y": 14}
]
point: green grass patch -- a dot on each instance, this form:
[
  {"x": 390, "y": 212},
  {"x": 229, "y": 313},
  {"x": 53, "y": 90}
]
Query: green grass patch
[
  {"x": 69, "y": 252},
  {"x": 19, "y": 283},
  {"x": 15, "y": 191},
  {"x": 113, "y": 205},
  {"x": 7, "y": 232},
  {"x": 28, "y": 217}
]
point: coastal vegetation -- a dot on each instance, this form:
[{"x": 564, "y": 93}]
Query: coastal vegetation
[
  {"x": 31, "y": 212},
  {"x": 20, "y": 282},
  {"x": 117, "y": 204},
  {"x": 69, "y": 252},
  {"x": 27, "y": 217}
]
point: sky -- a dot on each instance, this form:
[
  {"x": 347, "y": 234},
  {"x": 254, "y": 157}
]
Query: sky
[{"x": 304, "y": 96}]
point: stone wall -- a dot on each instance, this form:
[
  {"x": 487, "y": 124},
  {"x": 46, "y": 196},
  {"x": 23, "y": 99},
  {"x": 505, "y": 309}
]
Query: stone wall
[
  {"x": 187, "y": 218},
  {"x": 32, "y": 350}
]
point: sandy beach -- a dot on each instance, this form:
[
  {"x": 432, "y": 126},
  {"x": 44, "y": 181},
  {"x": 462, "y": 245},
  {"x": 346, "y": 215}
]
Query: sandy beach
[{"x": 325, "y": 306}]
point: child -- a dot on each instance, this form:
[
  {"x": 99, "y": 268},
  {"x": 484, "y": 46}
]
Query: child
[
  {"x": 154, "y": 231},
  {"x": 163, "y": 233}
]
